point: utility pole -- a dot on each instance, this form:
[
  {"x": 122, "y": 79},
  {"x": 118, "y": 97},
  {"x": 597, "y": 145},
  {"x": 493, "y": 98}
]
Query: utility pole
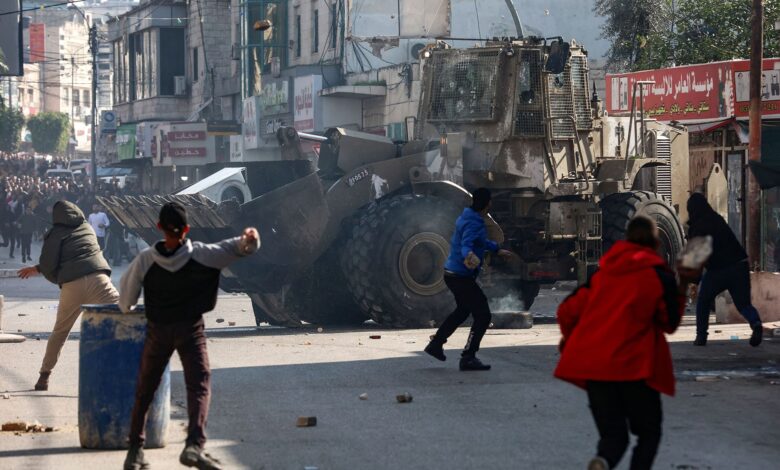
[
  {"x": 753, "y": 199},
  {"x": 93, "y": 46},
  {"x": 72, "y": 89}
]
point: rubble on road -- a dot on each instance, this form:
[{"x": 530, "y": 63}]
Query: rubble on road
[
  {"x": 405, "y": 398},
  {"x": 375, "y": 337},
  {"x": 306, "y": 421},
  {"x": 363, "y": 396},
  {"x": 220, "y": 320},
  {"x": 23, "y": 426}
]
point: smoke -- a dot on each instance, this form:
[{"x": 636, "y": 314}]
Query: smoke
[{"x": 508, "y": 303}]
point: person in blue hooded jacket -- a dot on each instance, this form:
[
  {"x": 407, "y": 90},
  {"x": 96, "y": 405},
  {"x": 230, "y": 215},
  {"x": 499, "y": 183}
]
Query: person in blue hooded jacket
[{"x": 467, "y": 252}]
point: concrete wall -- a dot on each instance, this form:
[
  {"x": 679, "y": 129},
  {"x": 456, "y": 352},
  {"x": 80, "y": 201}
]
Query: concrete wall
[{"x": 765, "y": 294}]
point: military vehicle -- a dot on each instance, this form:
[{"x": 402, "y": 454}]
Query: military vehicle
[{"x": 363, "y": 230}]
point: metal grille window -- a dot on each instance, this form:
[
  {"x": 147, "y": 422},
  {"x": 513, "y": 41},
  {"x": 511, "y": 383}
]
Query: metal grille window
[
  {"x": 579, "y": 86},
  {"x": 529, "y": 120},
  {"x": 260, "y": 49},
  {"x": 663, "y": 173},
  {"x": 464, "y": 85},
  {"x": 561, "y": 104}
]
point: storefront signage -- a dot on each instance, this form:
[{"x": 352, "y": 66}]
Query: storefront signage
[
  {"x": 275, "y": 98},
  {"x": 305, "y": 98},
  {"x": 696, "y": 93},
  {"x": 125, "y": 141},
  {"x": 186, "y": 136},
  {"x": 188, "y": 152},
  {"x": 251, "y": 123}
]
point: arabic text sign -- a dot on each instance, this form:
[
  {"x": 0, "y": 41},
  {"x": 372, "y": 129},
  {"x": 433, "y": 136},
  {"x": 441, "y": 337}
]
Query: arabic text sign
[
  {"x": 690, "y": 93},
  {"x": 186, "y": 136},
  {"x": 251, "y": 122},
  {"x": 306, "y": 92},
  {"x": 275, "y": 98},
  {"x": 188, "y": 152}
]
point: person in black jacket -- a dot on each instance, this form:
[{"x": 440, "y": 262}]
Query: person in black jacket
[
  {"x": 727, "y": 269},
  {"x": 180, "y": 280}
]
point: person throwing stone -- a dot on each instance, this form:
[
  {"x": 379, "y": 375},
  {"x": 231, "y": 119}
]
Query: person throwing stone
[
  {"x": 180, "y": 280},
  {"x": 72, "y": 259},
  {"x": 467, "y": 251},
  {"x": 726, "y": 269}
]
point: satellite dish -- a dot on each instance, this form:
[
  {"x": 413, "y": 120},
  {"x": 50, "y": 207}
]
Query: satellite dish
[{"x": 417, "y": 50}]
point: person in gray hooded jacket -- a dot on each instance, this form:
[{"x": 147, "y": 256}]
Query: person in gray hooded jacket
[{"x": 70, "y": 258}]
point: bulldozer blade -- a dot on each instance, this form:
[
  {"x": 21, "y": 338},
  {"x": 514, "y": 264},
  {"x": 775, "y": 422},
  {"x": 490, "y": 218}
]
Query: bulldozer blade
[{"x": 292, "y": 221}]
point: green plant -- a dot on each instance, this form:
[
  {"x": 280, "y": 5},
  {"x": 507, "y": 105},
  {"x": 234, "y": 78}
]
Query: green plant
[
  {"x": 11, "y": 123},
  {"x": 49, "y": 132}
]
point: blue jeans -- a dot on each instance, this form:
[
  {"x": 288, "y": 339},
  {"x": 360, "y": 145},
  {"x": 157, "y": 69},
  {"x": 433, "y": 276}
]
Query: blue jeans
[{"x": 735, "y": 279}]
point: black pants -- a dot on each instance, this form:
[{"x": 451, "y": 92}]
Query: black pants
[
  {"x": 101, "y": 243},
  {"x": 735, "y": 279},
  {"x": 12, "y": 235},
  {"x": 470, "y": 300},
  {"x": 618, "y": 407},
  {"x": 189, "y": 340},
  {"x": 26, "y": 244}
]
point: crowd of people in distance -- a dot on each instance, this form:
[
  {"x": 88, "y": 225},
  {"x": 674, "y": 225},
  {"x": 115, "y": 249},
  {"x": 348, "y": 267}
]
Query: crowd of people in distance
[{"x": 27, "y": 196}]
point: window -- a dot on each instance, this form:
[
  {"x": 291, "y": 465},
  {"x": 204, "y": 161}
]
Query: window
[
  {"x": 171, "y": 58},
  {"x": 67, "y": 97},
  {"x": 297, "y": 34},
  {"x": 195, "y": 71},
  {"x": 87, "y": 99},
  {"x": 76, "y": 98},
  {"x": 30, "y": 97},
  {"x": 145, "y": 64},
  {"x": 259, "y": 49},
  {"x": 315, "y": 40}
]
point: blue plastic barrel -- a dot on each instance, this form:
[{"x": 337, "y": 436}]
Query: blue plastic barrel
[{"x": 110, "y": 357}]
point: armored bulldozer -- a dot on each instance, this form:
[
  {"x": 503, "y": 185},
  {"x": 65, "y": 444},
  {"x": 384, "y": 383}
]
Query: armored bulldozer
[{"x": 362, "y": 230}]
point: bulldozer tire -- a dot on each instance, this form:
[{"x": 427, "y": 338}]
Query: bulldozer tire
[
  {"x": 618, "y": 209},
  {"x": 394, "y": 260},
  {"x": 321, "y": 296}
]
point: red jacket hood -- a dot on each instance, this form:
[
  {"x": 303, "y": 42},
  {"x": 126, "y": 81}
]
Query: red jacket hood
[{"x": 626, "y": 257}]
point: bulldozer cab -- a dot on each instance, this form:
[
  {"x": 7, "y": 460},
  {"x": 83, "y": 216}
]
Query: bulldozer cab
[{"x": 523, "y": 108}]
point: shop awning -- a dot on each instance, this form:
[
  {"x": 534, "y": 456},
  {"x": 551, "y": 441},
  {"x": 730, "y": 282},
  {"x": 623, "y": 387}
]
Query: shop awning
[{"x": 708, "y": 125}]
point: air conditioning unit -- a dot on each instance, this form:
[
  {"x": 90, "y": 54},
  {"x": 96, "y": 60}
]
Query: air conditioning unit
[{"x": 179, "y": 85}]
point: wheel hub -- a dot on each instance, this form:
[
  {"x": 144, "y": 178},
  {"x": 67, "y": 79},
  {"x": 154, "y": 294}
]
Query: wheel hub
[{"x": 421, "y": 263}]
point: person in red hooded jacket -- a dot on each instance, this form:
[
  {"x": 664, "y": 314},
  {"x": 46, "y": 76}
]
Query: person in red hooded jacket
[{"x": 614, "y": 343}]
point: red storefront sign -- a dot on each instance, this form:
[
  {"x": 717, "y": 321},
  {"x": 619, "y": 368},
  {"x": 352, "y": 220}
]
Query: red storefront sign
[
  {"x": 37, "y": 42},
  {"x": 187, "y": 152},
  {"x": 691, "y": 93},
  {"x": 186, "y": 136},
  {"x": 770, "y": 88},
  {"x": 697, "y": 93}
]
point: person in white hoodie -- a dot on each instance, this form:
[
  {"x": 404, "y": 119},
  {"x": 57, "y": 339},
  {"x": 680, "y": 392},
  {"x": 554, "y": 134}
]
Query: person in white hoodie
[{"x": 180, "y": 280}]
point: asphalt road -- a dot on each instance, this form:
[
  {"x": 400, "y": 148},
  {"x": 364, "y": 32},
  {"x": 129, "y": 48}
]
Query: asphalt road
[{"x": 513, "y": 417}]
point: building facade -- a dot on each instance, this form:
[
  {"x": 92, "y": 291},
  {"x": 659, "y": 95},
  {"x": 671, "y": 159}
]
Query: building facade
[{"x": 172, "y": 87}]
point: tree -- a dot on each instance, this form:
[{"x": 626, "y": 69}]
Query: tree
[
  {"x": 11, "y": 123},
  {"x": 630, "y": 24},
  {"x": 714, "y": 30},
  {"x": 650, "y": 34},
  {"x": 49, "y": 132}
]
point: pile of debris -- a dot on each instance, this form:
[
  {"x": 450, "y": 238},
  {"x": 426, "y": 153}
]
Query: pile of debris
[{"x": 19, "y": 427}]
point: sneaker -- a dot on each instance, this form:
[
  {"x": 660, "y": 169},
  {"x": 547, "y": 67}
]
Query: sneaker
[
  {"x": 43, "y": 382},
  {"x": 135, "y": 459},
  {"x": 436, "y": 350},
  {"x": 472, "y": 363},
  {"x": 758, "y": 334},
  {"x": 700, "y": 341},
  {"x": 193, "y": 456},
  {"x": 598, "y": 463}
]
